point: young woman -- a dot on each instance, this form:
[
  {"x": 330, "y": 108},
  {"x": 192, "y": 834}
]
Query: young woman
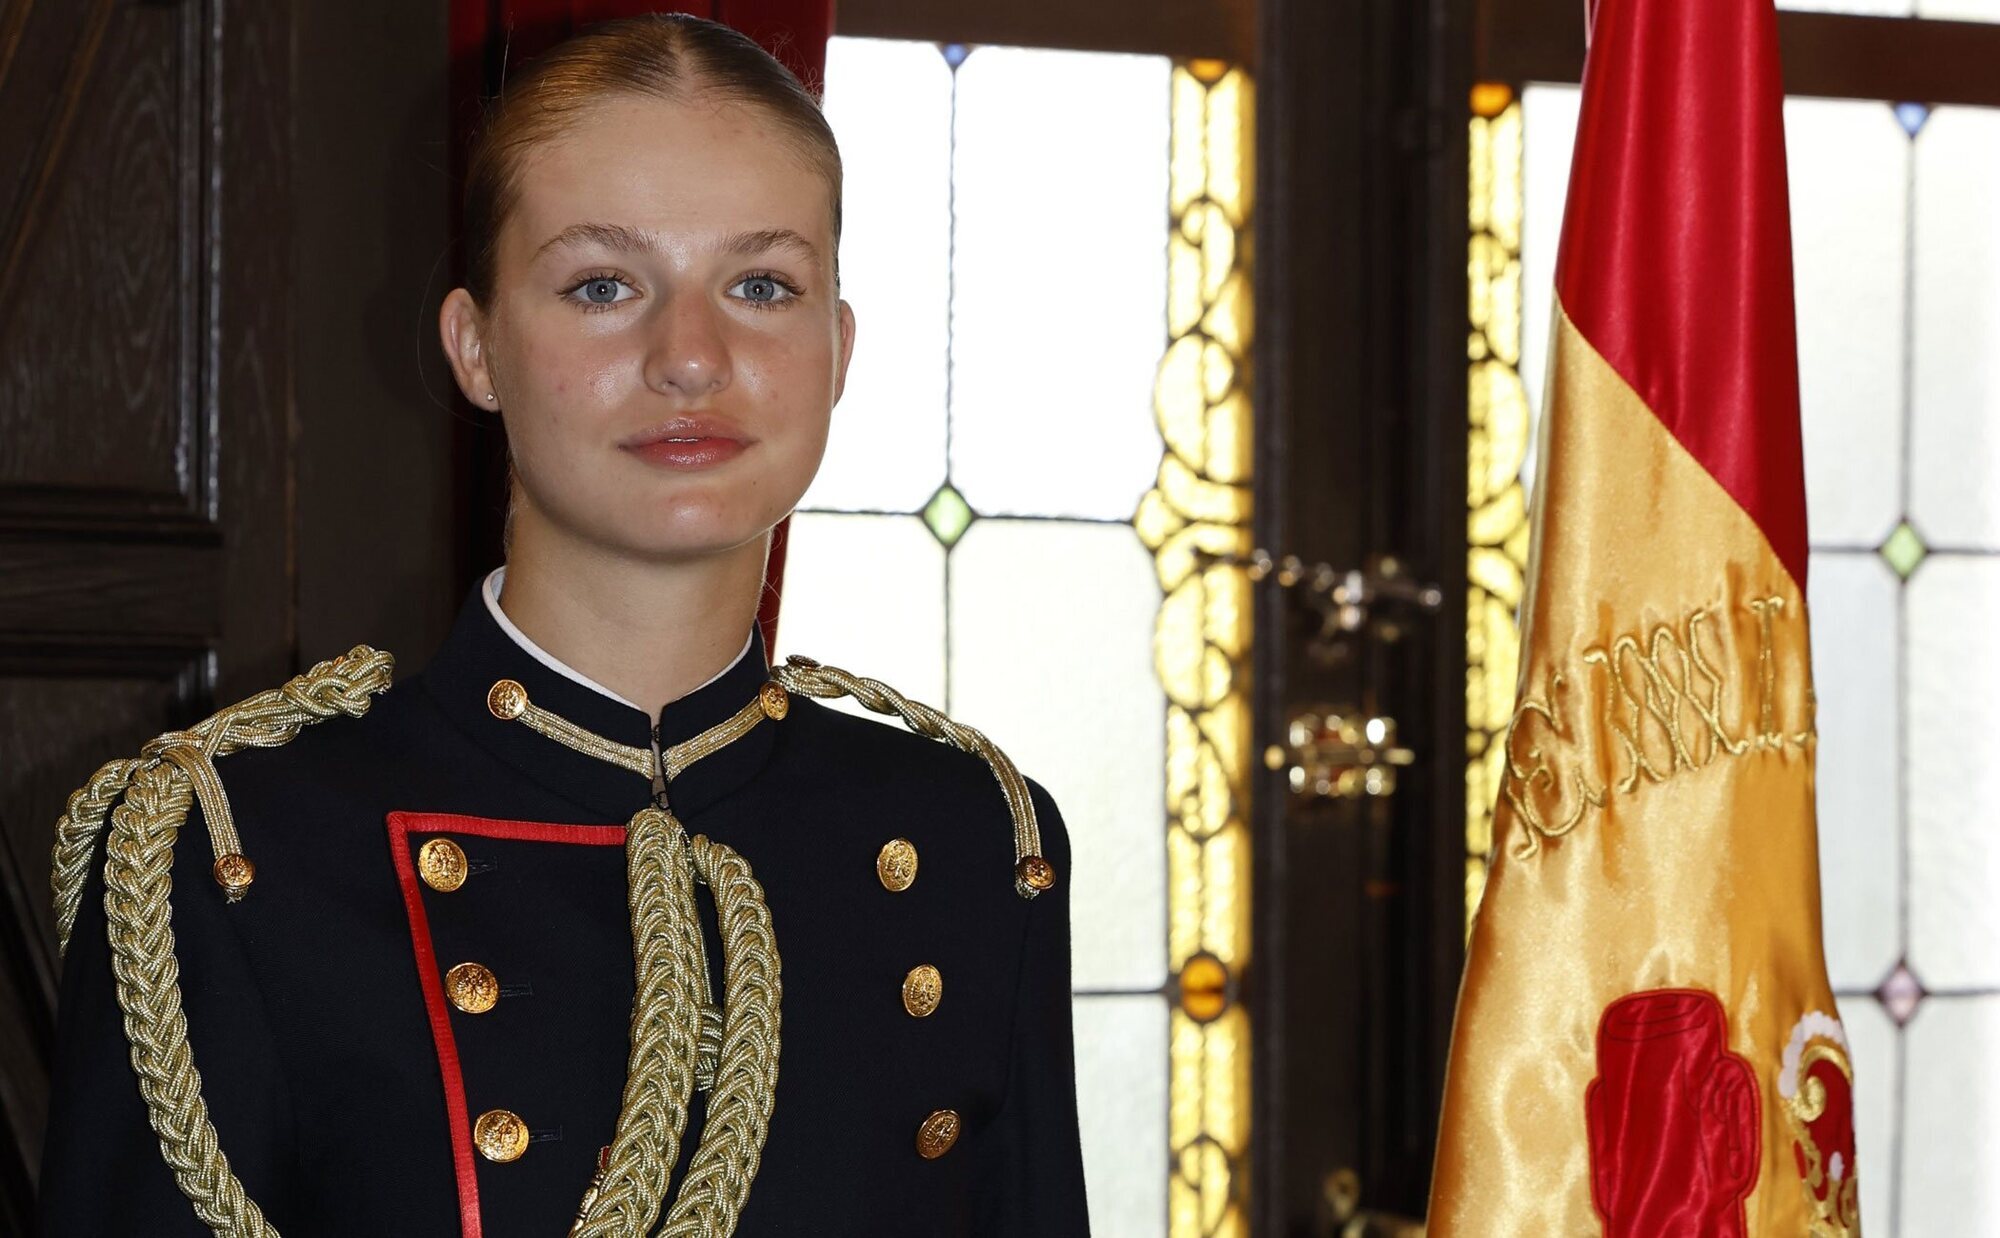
[{"x": 437, "y": 965}]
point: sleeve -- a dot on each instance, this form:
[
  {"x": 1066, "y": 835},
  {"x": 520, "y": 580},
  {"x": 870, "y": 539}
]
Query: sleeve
[
  {"x": 1033, "y": 1182},
  {"x": 103, "y": 1174}
]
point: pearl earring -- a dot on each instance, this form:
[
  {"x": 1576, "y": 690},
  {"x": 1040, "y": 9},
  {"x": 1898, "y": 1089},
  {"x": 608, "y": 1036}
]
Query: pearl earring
[{"x": 489, "y": 397}]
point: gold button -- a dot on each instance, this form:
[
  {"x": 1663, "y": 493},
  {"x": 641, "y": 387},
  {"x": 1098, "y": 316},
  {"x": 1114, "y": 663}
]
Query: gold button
[
  {"x": 1035, "y": 873},
  {"x": 507, "y": 699},
  {"x": 774, "y": 700},
  {"x": 234, "y": 873},
  {"x": 441, "y": 863},
  {"x": 923, "y": 989},
  {"x": 937, "y": 1134},
  {"x": 501, "y": 1135},
  {"x": 897, "y": 865},
  {"x": 472, "y": 988}
]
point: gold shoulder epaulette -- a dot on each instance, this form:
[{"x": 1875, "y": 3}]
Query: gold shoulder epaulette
[{"x": 1032, "y": 871}]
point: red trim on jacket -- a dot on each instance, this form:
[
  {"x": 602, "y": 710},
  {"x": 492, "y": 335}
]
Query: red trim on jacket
[{"x": 401, "y": 826}]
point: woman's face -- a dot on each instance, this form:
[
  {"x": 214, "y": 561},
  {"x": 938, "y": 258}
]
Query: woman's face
[{"x": 666, "y": 273}]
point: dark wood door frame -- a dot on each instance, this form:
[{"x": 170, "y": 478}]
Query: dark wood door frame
[
  {"x": 1828, "y": 54},
  {"x": 1362, "y": 448}
]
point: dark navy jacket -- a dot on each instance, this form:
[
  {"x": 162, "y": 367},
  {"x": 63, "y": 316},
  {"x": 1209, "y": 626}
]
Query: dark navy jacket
[{"x": 331, "y": 1081}]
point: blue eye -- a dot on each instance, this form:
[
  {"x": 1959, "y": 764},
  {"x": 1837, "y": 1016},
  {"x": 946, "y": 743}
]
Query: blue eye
[
  {"x": 601, "y": 292},
  {"x": 765, "y": 290}
]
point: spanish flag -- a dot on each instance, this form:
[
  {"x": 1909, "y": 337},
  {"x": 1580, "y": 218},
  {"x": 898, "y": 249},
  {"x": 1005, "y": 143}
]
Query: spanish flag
[{"x": 1646, "y": 1044}]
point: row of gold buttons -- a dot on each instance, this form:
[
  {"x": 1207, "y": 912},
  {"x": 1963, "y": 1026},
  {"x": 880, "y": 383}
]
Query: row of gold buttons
[
  {"x": 499, "y": 1134},
  {"x": 923, "y": 989}
]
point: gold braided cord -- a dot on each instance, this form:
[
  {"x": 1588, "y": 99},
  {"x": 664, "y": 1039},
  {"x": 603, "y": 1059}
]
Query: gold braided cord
[
  {"x": 76, "y": 838},
  {"x": 674, "y": 1032},
  {"x": 809, "y": 678},
  {"x": 589, "y": 743},
  {"x": 343, "y": 685},
  {"x": 158, "y": 790},
  {"x": 667, "y": 957},
  {"x": 677, "y": 758},
  {"x": 137, "y": 886},
  {"x": 746, "y": 1077}
]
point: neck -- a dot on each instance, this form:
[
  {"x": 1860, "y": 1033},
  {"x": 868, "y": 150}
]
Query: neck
[{"x": 651, "y": 632}]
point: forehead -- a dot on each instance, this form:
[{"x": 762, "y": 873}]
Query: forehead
[{"x": 673, "y": 168}]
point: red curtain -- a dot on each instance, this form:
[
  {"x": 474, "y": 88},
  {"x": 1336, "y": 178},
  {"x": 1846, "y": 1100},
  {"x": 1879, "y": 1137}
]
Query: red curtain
[{"x": 489, "y": 35}]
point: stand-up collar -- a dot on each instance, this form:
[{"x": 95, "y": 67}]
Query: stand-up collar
[{"x": 478, "y": 653}]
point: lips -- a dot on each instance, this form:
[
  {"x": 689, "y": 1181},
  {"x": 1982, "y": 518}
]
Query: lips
[
  {"x": 690, "y": 442},
  {"x": 688, "y": 428}
]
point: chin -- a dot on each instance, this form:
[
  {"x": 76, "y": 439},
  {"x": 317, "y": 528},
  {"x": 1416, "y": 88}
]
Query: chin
[{"x": 692, "y": 533}]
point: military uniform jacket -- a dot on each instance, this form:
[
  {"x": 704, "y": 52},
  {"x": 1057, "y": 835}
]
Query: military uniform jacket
[{"x": 344, "y": 1083}]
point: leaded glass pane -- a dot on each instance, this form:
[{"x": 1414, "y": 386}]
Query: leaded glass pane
[
  {"x": 1548, "y": 138},
  {"x": 1854, "y": 635},
  {"x": 1875, "y": 8},
  {"x": 1960, "y": 10},
  {"x": 1951, "y": 1106},
  {"x": 889, "y": 103},
  {"x": 1849, "y": 164},
  {"x": 866, "y": 594},
  {"x": 1953, "y": 714},
  {"x": 1955, "y": 386},
  {"x": 1060, "y": 266},
  {"x": 1051, "y": 656},
  {"x": 1121, "y": 1043}
]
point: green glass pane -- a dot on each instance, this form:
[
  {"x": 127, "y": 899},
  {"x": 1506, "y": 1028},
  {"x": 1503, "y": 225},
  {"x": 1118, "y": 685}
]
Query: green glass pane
[
  {"x": 947, "y": 515},
  {"x": 1904, "y": 550}
]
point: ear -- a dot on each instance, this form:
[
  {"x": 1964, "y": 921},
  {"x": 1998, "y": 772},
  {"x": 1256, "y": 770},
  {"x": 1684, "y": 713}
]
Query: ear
[
  {"x": 846, "y": 349},
  {"x": 461, "y": 327}
]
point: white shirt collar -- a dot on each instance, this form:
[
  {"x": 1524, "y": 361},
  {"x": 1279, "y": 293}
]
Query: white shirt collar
[{"x": 491, "y": 591}]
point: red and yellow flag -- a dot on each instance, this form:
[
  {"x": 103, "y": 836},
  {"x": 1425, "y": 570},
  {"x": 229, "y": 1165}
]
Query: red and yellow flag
[{"x": 1646, "y": 1043}]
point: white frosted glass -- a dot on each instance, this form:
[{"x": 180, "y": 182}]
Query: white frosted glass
[
  {"x": 1950, "y": 1109},
  {"x": 1853, "y": 606},
  {"x": 1849, "y": 164},
  {"x": 1121, "y": 1099},
  {"x": 1960, "y": 10},
  {"x": 1876, "y": 8},
  {"x": 889, "y": 102},
  {"x": 1955, "y": 390},
  {"x": 1548, "y": 137},
  {"x": 866, "y": 594},
  {"x": 1052, "y": 656},
  {"x": 1871, "y": 1044},
  {"x": 1953, "y": 714},
  {"x": 1060, "y": 268}
]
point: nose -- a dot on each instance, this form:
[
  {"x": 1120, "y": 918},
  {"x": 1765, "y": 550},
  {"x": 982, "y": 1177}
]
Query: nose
[{"x": 687, "y": 353}]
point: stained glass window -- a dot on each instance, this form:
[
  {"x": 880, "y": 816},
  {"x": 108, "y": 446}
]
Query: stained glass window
[
  {"x": 1944, "y": 10},
  {"x": 1046, "y": 416},
  {"x": 1896, "y": 225}
]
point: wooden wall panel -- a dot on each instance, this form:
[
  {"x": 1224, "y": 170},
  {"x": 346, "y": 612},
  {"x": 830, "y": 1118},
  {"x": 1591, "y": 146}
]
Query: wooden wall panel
[{"x": 98, "y": 340}]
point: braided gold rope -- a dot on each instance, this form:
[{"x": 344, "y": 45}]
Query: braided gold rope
[
  {"x": 675, "y": 1037},
  {"x": 76, "y": 838},
  {"x": 808, "y": 678},
  {"x": 628, "y": 1195},
  {"x": 667, "y": 957},
  {"x": 158, "y": 790},
  {"x": 746, "y": 1078}
]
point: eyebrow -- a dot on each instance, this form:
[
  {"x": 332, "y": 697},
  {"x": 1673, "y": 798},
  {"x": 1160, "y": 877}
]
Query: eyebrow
[{"x": 626, "y": 239}]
